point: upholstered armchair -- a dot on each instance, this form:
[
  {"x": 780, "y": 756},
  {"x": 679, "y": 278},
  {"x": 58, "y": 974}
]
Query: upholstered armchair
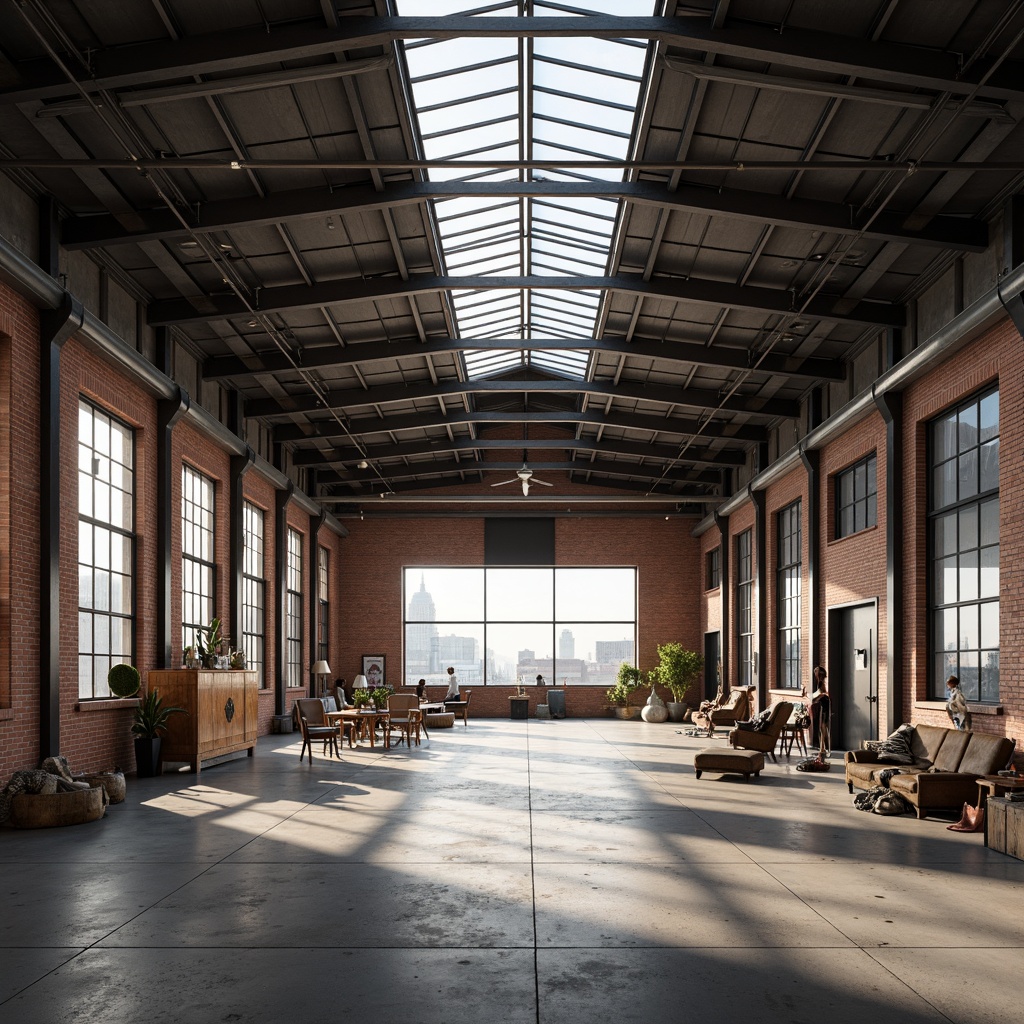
[{"x": 764, "y": 739}]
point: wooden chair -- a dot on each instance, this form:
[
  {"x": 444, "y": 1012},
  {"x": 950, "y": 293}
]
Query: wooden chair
[
  {"x": 314, "y": 726},
  {"x": 404, "y": 715},
  {"x": 460, "y": 707},
  {"x": 765, "y": 739}
]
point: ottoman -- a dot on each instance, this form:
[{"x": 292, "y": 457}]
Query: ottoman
[
  {"x": 439, "y": 719},
  {"x": 726, "y": 759}
]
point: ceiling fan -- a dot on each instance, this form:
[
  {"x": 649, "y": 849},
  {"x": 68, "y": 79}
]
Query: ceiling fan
[{"x": 526, "y": 478}]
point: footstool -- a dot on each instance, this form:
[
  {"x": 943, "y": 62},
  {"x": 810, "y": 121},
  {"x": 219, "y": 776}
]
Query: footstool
[
  {"x": 439, "y": 720},
  {"x": 726, "y": 759}
]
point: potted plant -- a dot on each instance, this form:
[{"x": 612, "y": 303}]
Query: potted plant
[
  {"x": 627, "y": 681},
  {"x": 678, "y": 669},
  {"x": 360, "y": 698},
  {"x": 123, "y": 680},
  {"x": 149, "y": 723},
  {"x": 380, "y": 695},
  {"x": 208, "y": 643}
]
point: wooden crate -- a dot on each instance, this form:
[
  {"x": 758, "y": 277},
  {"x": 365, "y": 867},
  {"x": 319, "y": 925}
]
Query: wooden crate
[{"x": 1004, "y": 829}]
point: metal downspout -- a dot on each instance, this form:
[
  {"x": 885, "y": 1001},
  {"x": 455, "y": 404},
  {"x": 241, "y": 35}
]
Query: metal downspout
[
  {"x": 891, "y": 408},
  {"x": 56, "y": 326}
]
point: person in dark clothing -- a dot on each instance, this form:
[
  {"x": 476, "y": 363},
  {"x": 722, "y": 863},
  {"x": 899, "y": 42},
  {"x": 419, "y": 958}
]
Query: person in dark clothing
[{"x": 821, "y": 711}]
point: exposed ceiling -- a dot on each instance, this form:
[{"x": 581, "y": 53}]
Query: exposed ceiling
[{"x": 426, "y": 245}]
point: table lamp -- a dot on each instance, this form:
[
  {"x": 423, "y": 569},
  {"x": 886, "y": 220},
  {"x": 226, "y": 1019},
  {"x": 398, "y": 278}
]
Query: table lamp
[{"x": 321, "y": 670}]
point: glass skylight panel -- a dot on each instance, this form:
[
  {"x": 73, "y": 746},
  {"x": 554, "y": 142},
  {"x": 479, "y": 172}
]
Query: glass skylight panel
[{"x": 471, "y": 104}]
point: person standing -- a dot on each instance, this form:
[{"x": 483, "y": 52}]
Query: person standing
[
  {"x": 821, "y": 711},
  {"x": 453, "y": 685}
]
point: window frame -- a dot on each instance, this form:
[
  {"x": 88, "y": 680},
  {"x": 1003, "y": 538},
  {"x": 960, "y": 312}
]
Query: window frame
[
  {"x": 128, "y": 574},
  {"x": 861, "y": 509},
  {"x": 713, "y": 568},
  {"x": 971, "y": 612},
  {"x": 293, "y": 610},
  {"x": 744, "y": 617},
  {"x": 254, "y": 590},
  {"x": 323, "y": 626},
  {"x": 555, "y": 623},
  {"x": 789, "y": 599},
  {"x": 193, "y": 564}
]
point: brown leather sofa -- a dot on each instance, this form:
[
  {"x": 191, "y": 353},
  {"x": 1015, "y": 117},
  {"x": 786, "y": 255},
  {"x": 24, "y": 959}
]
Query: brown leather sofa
[{"x": 944, "y": 772}]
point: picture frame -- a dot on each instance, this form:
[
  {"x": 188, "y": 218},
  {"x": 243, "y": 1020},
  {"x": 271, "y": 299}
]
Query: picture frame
[{"x": 374, "y": 670}]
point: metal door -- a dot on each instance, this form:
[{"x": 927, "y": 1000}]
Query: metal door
[{"x": 856, "y": 696}]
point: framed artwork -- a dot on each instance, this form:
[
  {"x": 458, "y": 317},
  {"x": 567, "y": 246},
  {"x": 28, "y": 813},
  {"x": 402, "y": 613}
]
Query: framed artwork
[{"x": 373, "y": 669}]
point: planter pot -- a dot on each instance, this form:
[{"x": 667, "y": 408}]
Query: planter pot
[
  {"x": 112, "y": 782},
  {"x": 676, "y": 711},
  {"x": 46, "y": 810},
  {"x": 147, "y": 757},
  {"x": 654, "y": 713},
  {"x": 627, "y": 714}
]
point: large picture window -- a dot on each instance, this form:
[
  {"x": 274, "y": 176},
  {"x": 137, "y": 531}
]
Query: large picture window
[
  {"x": 508, "y": 625},
  {"x": 198, "y": 569},
  {"x": 788, "y": 597},
  {"x": 106, "y": 547},
  {"x": 253, "y": 590},
  {"x": 293, "y": 638},
  {"x": 745, "y": 609},
  {"x": 964, "y": 548}
]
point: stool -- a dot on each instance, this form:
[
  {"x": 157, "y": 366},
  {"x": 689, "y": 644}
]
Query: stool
[
  {"x": 439, "y": 720},
  {"x": 719, "y": 759}
]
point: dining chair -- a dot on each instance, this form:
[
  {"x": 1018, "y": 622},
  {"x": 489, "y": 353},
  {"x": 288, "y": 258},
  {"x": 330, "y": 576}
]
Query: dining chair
[
  {"x": 314, "y": 726},
  {"x": 460, "y": 707},
  {"x": 404, "y": 715}
]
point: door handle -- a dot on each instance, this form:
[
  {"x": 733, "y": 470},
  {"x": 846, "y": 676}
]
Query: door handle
[{"x": 871, "y": 700}]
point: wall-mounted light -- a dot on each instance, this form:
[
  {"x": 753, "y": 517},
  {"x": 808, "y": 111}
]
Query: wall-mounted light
[{"x": 362, "y": 464}]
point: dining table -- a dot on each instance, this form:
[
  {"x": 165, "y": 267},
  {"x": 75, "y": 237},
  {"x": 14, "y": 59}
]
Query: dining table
[{"x": 367, "y": 720}]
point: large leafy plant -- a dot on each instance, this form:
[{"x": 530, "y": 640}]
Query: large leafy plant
[
  {"x": 628, "y": 680},
  {"x": 678, "y": 668},
  {"x": 151, "y": 716}
]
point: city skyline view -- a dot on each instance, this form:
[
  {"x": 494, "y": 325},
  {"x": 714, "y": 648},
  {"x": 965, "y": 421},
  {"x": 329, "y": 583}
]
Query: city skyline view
[{"x": 508, "y": 625}]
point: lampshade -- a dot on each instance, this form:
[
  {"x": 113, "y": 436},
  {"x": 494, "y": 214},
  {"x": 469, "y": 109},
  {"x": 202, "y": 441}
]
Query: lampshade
[
  {"x": 321, "y": 668},
  {"x": 359, "y": 682}
]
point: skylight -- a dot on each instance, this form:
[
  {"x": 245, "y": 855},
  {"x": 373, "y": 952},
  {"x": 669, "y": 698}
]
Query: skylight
[{"x": 520, "y": 99}]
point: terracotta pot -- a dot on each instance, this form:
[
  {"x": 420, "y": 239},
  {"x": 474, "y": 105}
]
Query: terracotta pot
[{"x": 627, "y": 714}]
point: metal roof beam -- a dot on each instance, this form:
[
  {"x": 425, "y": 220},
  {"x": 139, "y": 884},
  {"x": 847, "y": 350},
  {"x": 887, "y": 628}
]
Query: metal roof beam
[
  {"x": 422, "y": 470},
  {"x": 330, "y": 429},
  {"x": 332, "y": 358},
  {"x": 662, "y": 393},
  {"x": 240, "y": 48},
  {"x": 413, "y": 449},
  {"x": 702, "y": 292},
  {"x": 84, "y": 232}
]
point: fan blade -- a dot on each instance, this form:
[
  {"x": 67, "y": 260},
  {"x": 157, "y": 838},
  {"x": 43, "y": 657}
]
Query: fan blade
[
  {"x": 543, "y": 483},
  {"x": 501, "y": 483}
]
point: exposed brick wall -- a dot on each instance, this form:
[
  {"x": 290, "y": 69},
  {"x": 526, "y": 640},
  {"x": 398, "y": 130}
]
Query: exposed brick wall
[
  {"x": 666, "y": 554},
  {"x": 781, "y": 494},
  {"x": 853, "y": 569},
  {"x": 19, "y": 709},
  {"x": 998, "y": 356}
]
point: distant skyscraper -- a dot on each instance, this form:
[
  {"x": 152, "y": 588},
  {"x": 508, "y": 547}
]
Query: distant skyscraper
[
  {"x": 613, "y": 651},
  {"x": 420, "y": 635},
  {"x": 566, "y": 644}
]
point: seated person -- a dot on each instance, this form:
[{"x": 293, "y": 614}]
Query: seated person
[{"x": 421, "y": 688}]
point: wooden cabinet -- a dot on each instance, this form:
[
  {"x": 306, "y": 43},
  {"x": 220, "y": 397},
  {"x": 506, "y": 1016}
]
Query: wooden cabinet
[{"x": 223, "y": 712}]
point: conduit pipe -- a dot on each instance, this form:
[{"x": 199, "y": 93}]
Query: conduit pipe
[
  {"x": 36, "y": 285},
  {"x": 977, "y": 318}
]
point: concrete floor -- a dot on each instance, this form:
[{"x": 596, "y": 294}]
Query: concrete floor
[{"x": 541, "y": 871}]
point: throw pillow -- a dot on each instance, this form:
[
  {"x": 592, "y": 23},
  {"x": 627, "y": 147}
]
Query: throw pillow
[
  {"x": 759, "y": 722},
  {"x": 894, "y": 749}
]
